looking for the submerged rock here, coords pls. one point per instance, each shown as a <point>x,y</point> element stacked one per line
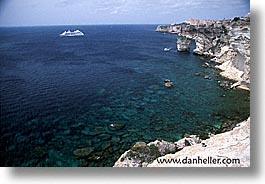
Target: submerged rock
<point>95,158</point>
<point>83,152</point>
<point>86,131</point>
<point>87,161</point>
<point>110,150</point>
<point>39,152</point>
<point>101,91</point>
<point>104,137</point>
<point>106,145</point>
<point>66,132</point>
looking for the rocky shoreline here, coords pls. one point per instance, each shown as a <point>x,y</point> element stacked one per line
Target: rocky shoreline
<point>227,44</point>
<point>234,144</point>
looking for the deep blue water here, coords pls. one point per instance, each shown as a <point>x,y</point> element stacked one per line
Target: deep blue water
<point>59,94</point>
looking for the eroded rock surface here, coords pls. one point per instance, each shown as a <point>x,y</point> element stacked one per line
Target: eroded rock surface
<point>142,154</point>
<point>183,44</point>
<point>226,42</point>
<point>234,144</point>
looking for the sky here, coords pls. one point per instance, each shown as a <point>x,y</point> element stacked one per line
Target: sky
<point>85,12</point>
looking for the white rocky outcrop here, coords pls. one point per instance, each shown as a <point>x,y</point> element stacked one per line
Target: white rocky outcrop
<point>141,154</point>
<point>233,147</point>
<point>230,145</point>
<point>183,43</point>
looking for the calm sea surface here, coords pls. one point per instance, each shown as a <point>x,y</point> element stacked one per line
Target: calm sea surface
<point>59,94</point>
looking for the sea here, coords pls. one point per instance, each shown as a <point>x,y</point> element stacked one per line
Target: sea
<point>103,91</point>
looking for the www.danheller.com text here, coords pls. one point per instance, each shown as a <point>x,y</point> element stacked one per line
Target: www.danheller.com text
<point>198,160</point>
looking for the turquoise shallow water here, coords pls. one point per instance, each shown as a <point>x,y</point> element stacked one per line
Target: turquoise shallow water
<point>62,94</point>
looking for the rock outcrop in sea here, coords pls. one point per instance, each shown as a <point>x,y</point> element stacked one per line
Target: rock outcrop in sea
<point>226,42</point>
<point>183,44</point>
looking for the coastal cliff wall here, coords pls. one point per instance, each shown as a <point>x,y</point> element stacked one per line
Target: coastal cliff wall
<point>226,42</point>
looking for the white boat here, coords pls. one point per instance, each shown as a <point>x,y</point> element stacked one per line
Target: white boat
<point>167,49</point>
<point>72,33</point>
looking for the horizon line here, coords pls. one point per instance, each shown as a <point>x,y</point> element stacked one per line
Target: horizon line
<point>107,24</point>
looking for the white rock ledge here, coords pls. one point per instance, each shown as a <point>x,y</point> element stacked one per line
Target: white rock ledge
<point>234,144</point>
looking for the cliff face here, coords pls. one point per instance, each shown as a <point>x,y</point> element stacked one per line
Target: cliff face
<point>235,58</point>
<point>226,42</point>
